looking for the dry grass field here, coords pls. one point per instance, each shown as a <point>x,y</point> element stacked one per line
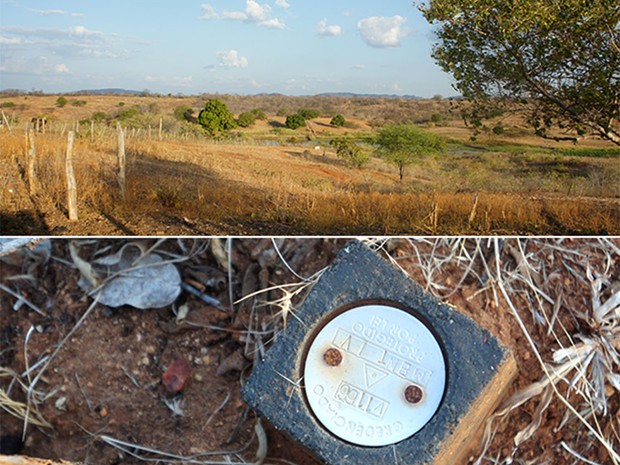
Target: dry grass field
<point>267,179</point>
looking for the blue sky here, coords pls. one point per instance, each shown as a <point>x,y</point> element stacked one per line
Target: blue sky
<point>226,46</point>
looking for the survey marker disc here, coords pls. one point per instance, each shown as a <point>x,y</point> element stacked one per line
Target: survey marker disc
<point>374,375</point>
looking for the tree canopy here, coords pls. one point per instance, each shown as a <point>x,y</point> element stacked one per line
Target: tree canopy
<point>559,60</point>
<point>403,145</point>
<point>295,121</point>
<point>216,117</point>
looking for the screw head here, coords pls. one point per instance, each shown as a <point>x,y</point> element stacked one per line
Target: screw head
<point>333,357</point>
<point>413,394</point>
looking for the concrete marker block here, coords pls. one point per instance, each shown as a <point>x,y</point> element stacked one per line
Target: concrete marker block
<point>479,368</point>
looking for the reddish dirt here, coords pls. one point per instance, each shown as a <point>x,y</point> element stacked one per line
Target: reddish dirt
<point>109,373</point>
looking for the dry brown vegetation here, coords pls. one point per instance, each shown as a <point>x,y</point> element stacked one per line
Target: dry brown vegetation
<point>270,180</point>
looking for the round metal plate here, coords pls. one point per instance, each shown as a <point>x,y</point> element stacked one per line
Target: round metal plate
<point>374,375</point>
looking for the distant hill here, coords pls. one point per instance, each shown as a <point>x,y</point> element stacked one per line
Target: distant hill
<point>112,91</point>
<point>119,91</point>
<point>354,95</point>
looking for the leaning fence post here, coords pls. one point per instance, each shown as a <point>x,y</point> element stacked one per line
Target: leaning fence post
<point>161,127</point>
<point>121,158</point>
<point>32,156</point>
<point>71,184</point>
<point>6,121</point>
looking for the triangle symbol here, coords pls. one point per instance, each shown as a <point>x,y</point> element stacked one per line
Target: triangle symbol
<point>373,375</point>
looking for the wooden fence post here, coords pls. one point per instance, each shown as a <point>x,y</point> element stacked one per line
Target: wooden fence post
<point>92,131</point>
<point>71,184</point>
<point>32,158</point>
<point>6,121</point>
<point>121,158</point>
<point>161,127</point>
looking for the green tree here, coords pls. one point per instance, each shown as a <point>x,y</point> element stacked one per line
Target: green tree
<point>61,101</point>
<point>246,119</point>
<point>216,118</point>
<point>338,121</point>
<point>558,61</point>
<point>403,145</point>
<point>295,121</point>
<point>350,152</point>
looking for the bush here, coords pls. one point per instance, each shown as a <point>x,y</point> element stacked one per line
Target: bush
<point>295,121</point>
<point>61,101</point>
<point>78,103</point>
<point>7,105</point>
<point>259,114</point>
<point>183,113</point>
<point>99,116</point>
<point>438,119</point>
<point>216,117</point>
<point>309,114</point>
<point>498,130</point>
<point>246,119</point>
<point>338,121</point>
<point>350,152</point>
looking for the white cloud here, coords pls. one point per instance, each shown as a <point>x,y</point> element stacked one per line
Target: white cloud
<point>231,59</point>
<point>54,13</point>
<point>283,3</point>
<point>61,68</point>
<point>12,41</point>
<point>208,12</point>
<point>254,13</point>
<point>24,48</point>
<point>329,31</point>
<point>382,31</point>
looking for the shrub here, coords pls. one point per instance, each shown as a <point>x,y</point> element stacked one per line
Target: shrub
<point>246,119</point>
<point>216,117</point>
<point>99,116</point>
<point>7,105</point>
<point>61,101</point>
<point>309,114</point>
<point>78,103</point>
<point>498,130</point>
<point>183,113</point>
<point>295,121</point>
<point>438,118</point>
<point>338,121</point>
<point>259,114</point>
<point>350,152</point>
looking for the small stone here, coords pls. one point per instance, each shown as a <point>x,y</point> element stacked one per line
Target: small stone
<point>61,404</point>
<point>103,412</point>
<point>198,377</point>
<point>150,349</point>
<point>145,361</point>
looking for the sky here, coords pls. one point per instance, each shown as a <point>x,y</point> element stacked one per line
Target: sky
<point>219,46</point>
